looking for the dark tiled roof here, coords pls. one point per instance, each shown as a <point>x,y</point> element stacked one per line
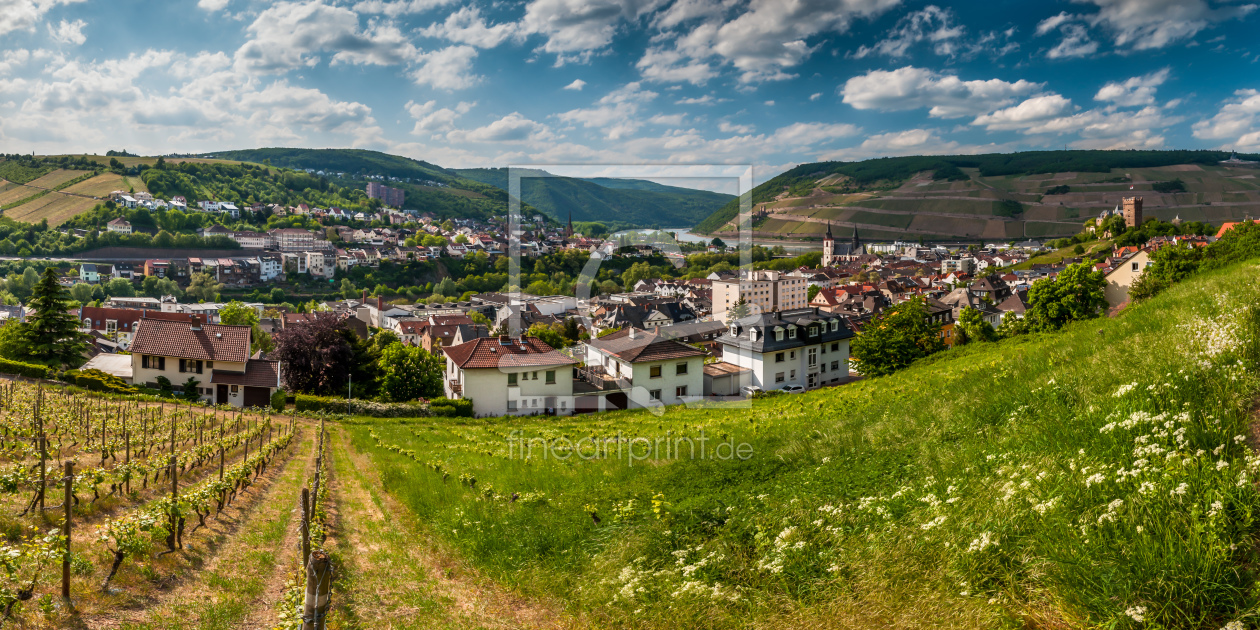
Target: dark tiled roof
<point>125,317</point>
<point>258,373</point>
<point>214,342</point>
<point>644,347</point>
<point>505,352</point>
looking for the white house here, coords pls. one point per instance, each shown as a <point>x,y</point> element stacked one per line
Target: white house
<point>119,225</point>
<point>644,367</point>
<point>803,346</point>
<point>509,376</point>
<point>216,357</point>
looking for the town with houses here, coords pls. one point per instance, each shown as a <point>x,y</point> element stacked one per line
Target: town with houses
<point>661,341</point>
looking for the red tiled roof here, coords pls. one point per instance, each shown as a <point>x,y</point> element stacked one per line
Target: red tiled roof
<point>505,352</point>
<point>214,342</point>
<point>125,317</point>
<point>1227,226</point>
<point>258,373</point>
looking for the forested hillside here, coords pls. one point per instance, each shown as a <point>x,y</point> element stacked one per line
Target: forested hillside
<point>611,201</point>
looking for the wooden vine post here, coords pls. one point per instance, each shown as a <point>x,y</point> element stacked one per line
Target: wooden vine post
<point>318,591</point>
<point>306,526</point>
<point>174,485</point>
<point>65,531</point>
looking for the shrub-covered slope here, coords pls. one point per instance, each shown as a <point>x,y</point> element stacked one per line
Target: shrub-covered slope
<point>1097,477</point>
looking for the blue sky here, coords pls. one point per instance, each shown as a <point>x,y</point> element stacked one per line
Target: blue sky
<point>773,83</point>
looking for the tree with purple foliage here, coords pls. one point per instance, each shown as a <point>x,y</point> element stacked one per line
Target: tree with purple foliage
<point>316,356</point>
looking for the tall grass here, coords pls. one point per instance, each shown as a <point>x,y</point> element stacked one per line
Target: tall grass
<point>1101,476</point>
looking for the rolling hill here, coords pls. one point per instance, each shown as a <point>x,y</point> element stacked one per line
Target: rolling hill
<point>994,197</point>
<point>616,201</point>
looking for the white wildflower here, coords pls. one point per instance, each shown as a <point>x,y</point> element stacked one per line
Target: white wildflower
<point>1124,389</point>
<point>1137,613</point>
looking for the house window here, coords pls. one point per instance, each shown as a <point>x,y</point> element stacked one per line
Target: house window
<point>511,405</point>
<point>209,364</point>
<point>792,355</point>
<point>778,357</point>
<point>813,331</point>
<point>813,357</point>
<point>835,347</point>
<point>681,368</point>
<point>512,380</point>
<point>535,376</point>
<point>778,335</point>
<point>1135,267</point>
<point>791,333</point>
<point>654,371</point>
<point>551,377</point>
<point>778,377</point>
<point>835,365</point>
<point>234,388</point>
<point>793,376</point>
<point>835,325</point>
<point>654,394</point>
<point>680,391</point>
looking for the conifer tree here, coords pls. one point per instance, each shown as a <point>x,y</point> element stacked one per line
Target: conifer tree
<point>52,333</point>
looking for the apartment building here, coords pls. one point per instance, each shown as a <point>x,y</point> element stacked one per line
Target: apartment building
<point>764,291</point>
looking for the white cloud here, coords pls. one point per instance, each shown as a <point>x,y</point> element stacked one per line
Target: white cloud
<point>1027,114</point>
<point>431,119</point>
<point>900,141</point>
<point>804,134</point>
<point>1103,127</point>
<point>1135,91</point>
<point>396,8</point>
<point>68,32</point>
<point>447,69</point>
<point>213,5</point>
<point>579,26</point>
<point>615,114</point>
<point>672,120</point>
<point>947,96</point>
<point>769,103</point>
<point>1237,122</point>
<point>726,127</point>
<point>932,24</point>
<point>815,96</point>
<point>576,86</point>
<point>707,99</point>
<point>1075,43</point>
<point>466,26</point>
<point>672,66</point>
<point>513,128</point>
<point>1146,24</point>
<point>19,15</point>
<point>293,34</point>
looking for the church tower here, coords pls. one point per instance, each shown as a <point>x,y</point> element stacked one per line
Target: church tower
<point>829,248</point>
<point>855,248</point>
<point>569,230</point>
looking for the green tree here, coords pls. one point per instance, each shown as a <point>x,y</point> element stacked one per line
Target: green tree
<point>13,341</point>
<point>81,292</point>
<point>739,310</point>
<point>237,313</point>
<point>52,334</point>
<point>1169,265</point>
<point>548,335</point>
<point>446,287</point>
<point>1012,326</point>
<point>895,339</point>
<point>408,373</point>
<point>638,271</point>
<point>718,243</point>
<point>812,291</point>
<point>203,287</point>
<point>191,391</point>
<point>1079,249</point>
<point>478,318</point>
<point>120,287</point>
<point>1075,295</point>
<point>972,327</point>
<point>165,389</point>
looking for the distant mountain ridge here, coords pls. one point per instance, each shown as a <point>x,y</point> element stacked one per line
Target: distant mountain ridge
<point>628,201</point>
<point>615,202</point>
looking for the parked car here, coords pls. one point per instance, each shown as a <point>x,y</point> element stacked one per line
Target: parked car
<point>793,389</point>
<point>750,390</point>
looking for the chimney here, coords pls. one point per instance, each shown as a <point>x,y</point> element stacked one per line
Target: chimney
<point>631,333</point>
<point>380,303</point>
<point>364,299</point>
<point>196,323</point>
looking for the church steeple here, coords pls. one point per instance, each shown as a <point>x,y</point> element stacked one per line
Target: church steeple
<point>829,236</point>
<point>857,243</point>
<point>569,230</point>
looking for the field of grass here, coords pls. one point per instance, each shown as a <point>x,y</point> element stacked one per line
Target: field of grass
<point>55,207</point>
<point>1089,478</point>
<point>1050,258</point>
<point>99,186</point>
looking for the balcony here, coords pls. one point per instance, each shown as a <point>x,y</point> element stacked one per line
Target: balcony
<point>599,378</point>
<point>456,386</point>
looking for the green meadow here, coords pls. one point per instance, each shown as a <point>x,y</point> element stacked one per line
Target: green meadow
<point>1100,476</point>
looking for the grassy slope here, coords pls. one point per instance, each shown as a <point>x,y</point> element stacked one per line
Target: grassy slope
<point>640,203</point>
<point>1056,480</point>
<point>349,161</point>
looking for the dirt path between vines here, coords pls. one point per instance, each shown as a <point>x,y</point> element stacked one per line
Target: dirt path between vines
<point>396,576</point>
<point>233,572</point>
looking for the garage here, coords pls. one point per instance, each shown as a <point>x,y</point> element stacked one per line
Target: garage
<point>257,397</point>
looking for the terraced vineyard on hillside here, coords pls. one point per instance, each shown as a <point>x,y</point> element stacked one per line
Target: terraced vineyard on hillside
<point>1007,207</point>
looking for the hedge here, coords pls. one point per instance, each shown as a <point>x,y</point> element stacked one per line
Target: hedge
<point>24,369</point>
<point>451,408</point>
<point>98,381</point>
<point>278,400</point>
<point>332,404</point>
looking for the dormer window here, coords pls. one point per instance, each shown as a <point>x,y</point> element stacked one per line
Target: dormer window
<point>791,332</point>
<point>778,334</point>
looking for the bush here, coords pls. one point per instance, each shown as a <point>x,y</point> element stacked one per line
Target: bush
<point>23,369</point>
<point>1173,186</point>
<point>332,404</point>
<point>278,400</point>
<point>98,381</point>
<point>451,408</point>
<point>1061,189</point>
